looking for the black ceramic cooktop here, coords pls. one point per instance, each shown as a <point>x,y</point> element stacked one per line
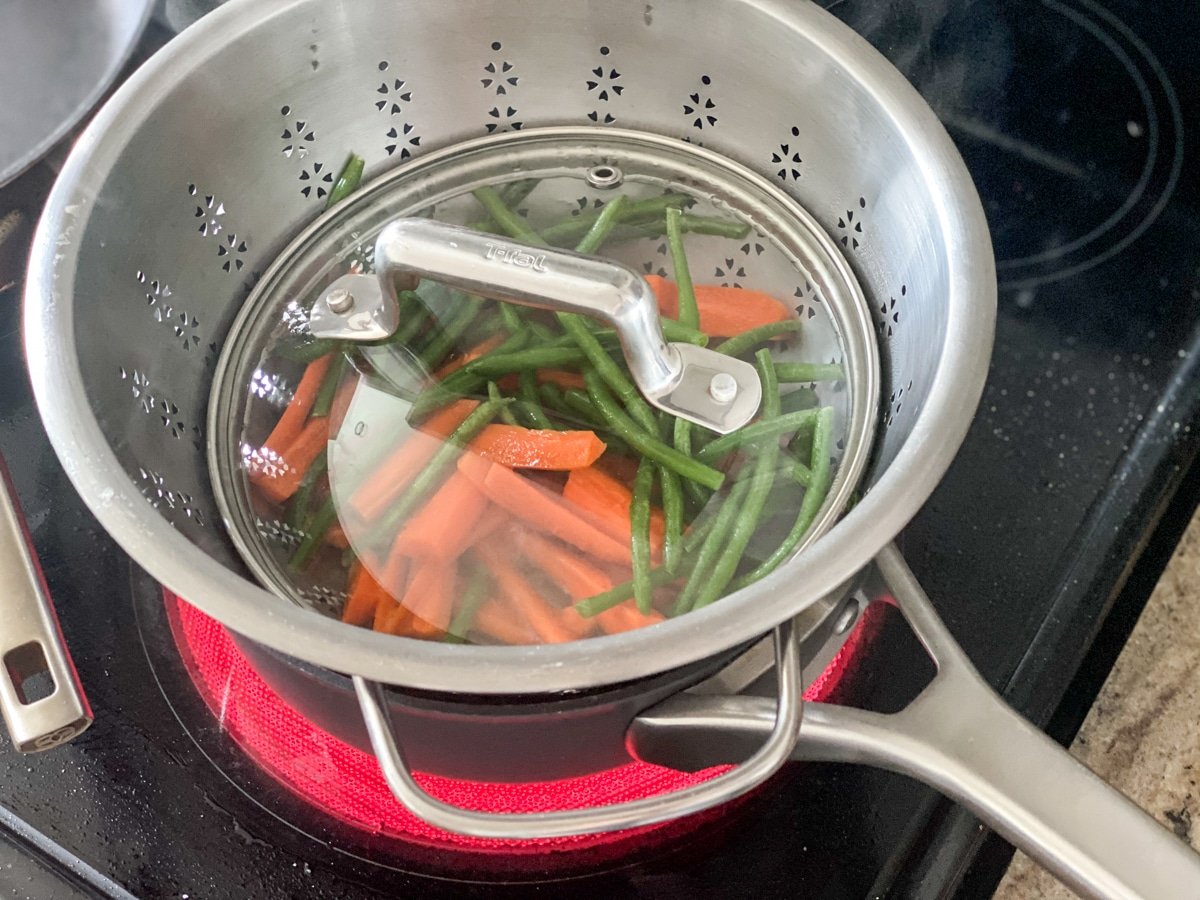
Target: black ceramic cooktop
<point>1039,548</point>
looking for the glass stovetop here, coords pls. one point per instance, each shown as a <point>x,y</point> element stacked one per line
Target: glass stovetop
<point>1071,116</point>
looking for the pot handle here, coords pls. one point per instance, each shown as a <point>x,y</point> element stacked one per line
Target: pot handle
<point>960,737</point>
<point>694,383</point>
<point>31,644</point>
<point>761,764</point>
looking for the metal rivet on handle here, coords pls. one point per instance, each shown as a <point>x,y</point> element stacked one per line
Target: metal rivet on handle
<point>723,388</point>
<point>604,177</point>
<point>340,301</point>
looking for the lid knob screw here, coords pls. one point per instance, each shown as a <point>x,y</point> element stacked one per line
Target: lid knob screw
<point>340,301</point>
<point>723,387</point>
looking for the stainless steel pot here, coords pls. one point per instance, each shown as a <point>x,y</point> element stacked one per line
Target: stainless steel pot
<point>228,139</point>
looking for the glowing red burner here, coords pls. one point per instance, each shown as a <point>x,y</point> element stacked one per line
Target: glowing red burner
<point>346,782</point>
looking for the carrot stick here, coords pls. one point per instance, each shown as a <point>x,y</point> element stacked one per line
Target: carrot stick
<point>341,404</point>
<point>395,574</point>
<point>578,625</point>
<point>496,619</point>
<point>493,519</point>
<point>294,462</point>
<point>545,620</point>
<point>532,448</point>
<point>565,380</point>
<point>606,502</point>
<point>575,575</point>
<point>484,346</point>
<point>626,617</point>
<point>724,311</point>
<point>291,423</point>
<point>445,525</point>
<point>379,490</point>
<point>427,601</point>
<point>540,508</point>
<point>336,537</point>
<point>362,599</point>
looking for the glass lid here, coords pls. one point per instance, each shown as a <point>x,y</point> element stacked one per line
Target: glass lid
<point>449,457</point>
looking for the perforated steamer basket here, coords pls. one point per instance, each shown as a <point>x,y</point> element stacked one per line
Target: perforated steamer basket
<point>215,154</point>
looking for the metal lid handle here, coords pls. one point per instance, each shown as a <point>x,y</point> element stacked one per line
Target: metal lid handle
<point>694,383</point>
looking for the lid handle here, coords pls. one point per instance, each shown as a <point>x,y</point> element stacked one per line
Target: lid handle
<point>709,388</point>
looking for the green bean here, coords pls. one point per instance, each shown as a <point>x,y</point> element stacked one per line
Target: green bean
<point>639,521</point>
<point>510,223</point>
<point>800,398</point>
<point>492,365</point>
<point>347,182</point>
<point>437,349</point>
<point>462,383</point>
<point>739,344</point>
<point>682,439</point>
<point>581,405</point>
<point>801,474</point>
<point>672,501</point>
<point>608,371</point>
<point>689,313</point>
<point>506,415</point>
<point>798,372</point>
<point>722,523</point>
<point>576,227</point>
<point>430,477</point>
<point>298,506</point>
<point>646,443</point>
<point>814,497</point>
<point>516,191</point>
<point>593,606</point>
<point>476,592</point>
<point>512,318</point>
<point>329,385</point>
<point>530,402</point>
<point>541,333</point>
<point>672,331</point>
<point>688,224</point>
<point>750,511</point>
<point>314,531</point>
<point>763,428</point>
<point>412,316</point>
<point>552,398</point>
<point>605,222</point>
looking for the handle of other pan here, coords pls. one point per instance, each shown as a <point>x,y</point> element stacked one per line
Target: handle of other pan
<point>31,646</point>
<point>960,737</point>
<point>714,390</point>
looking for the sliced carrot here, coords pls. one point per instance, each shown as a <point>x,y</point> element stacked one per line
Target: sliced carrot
<point>430,597</point>
<point>540,508</point>
<point>484,346</point>
<point>385,605</point>
<point>390,479</point>
<point>280,484</point>
<point>532,448</point>
<point>565,380</point>
<point>724,311</point>
<point>545,619</point>
<point>497,619</point>
<point>336,537</point>
<point>444,526</point>
<point>291,423</point>
<point>575,575</point>
<point>493,519</point>
<point>626,617</point>
<point>362,599</point>
<point>605,501</point>
<point>395,575</point>
<point>341,404</point>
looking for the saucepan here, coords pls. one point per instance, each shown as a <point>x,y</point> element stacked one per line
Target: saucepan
<point>189,294</point>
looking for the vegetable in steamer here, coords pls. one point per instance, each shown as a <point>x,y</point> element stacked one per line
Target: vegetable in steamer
<point>538,498</point>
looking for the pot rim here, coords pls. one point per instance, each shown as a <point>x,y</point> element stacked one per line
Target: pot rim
<point>254,612</point>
